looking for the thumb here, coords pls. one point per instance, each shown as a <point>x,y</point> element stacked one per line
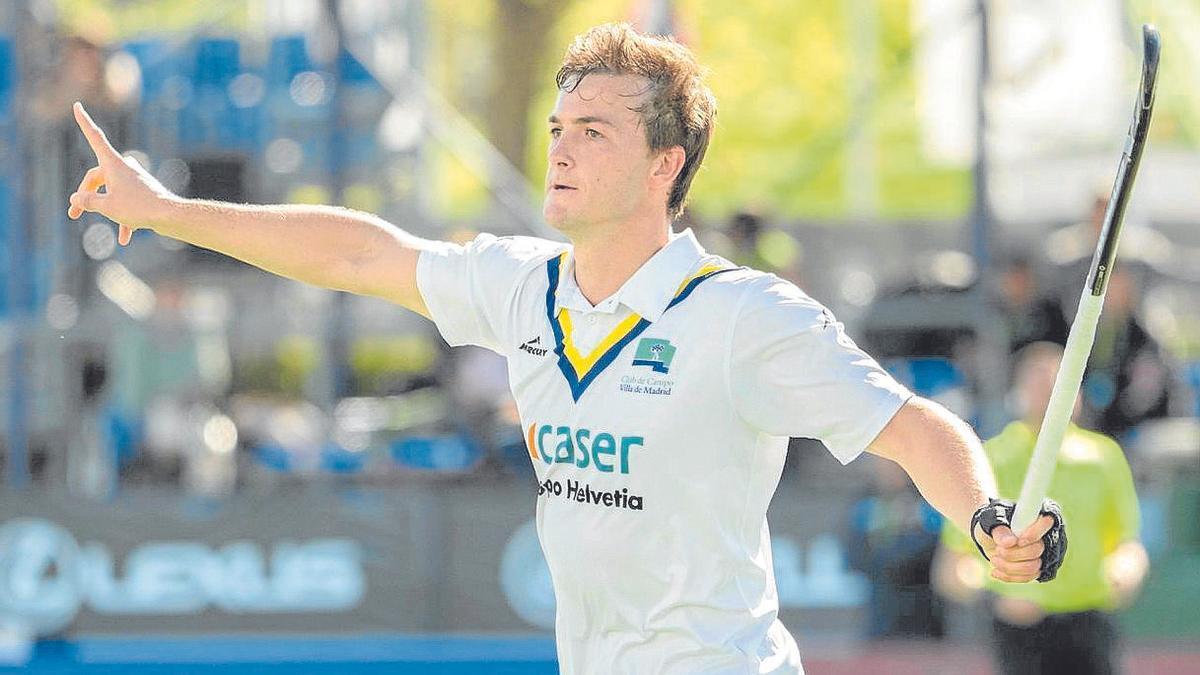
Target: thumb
<point>124,234</point>
<point>89,201</point>
<point>1003,536</point>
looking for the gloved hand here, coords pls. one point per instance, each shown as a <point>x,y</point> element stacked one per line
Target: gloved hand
<point>1037,553</point>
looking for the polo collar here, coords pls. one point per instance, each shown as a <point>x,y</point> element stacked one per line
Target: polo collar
<point>651,288</point>
<point>673,268</point>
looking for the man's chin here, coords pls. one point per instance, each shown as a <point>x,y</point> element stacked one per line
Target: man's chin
<point>558,218</point>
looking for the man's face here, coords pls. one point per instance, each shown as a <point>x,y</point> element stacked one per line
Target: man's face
<point>599,160</point>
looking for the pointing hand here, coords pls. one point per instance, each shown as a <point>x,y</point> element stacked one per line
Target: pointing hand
<point>132,197</point>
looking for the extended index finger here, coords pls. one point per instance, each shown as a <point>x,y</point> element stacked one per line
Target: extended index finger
<point>94,134</point>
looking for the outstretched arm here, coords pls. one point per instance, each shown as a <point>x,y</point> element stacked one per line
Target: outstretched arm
<point>326,246</point>
<point>946,462</point>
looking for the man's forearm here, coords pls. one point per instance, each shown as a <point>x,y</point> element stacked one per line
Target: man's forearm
<point>942,455</point>
<point>319,245</point>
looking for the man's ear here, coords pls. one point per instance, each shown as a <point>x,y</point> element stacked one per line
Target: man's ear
<point>669,164</point>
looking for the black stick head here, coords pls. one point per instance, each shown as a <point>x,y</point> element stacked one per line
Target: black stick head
<point>1151,47</point>
<point>1139,129</point>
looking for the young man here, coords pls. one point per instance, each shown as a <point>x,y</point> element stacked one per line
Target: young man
<point>657,384</point>
<point>1064,627</point>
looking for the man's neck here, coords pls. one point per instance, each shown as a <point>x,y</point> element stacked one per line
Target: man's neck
<point>604,263</point>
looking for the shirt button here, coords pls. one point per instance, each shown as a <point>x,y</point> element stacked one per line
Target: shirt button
<point>592,319</point>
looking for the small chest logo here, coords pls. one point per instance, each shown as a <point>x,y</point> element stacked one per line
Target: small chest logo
<point>534,347</point>
<point>655,353</point>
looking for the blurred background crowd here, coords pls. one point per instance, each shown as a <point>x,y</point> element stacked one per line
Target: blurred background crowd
<point>329,458</point>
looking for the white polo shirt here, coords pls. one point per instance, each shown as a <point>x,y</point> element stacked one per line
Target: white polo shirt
<point>658,424</point>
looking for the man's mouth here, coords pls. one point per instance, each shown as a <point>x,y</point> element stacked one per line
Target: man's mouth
<point>561,186</point>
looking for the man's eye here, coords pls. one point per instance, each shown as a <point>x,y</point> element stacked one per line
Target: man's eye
<point>592,133</point>
<point>555,132</point>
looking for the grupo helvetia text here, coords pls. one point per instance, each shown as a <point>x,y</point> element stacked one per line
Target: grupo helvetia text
<point>582,492</point>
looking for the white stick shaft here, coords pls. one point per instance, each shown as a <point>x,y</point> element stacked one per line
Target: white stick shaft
<point>1058,412</point>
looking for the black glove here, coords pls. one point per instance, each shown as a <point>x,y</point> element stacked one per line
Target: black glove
<point>1000,512</point>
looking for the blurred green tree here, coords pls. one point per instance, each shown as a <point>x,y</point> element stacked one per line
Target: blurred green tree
<point>794,93</point>
<point>521,38</point>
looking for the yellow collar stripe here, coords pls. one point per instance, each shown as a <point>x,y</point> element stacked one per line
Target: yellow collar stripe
<point>707,269</point>
<point>582,363</point>
<point>579,369</point>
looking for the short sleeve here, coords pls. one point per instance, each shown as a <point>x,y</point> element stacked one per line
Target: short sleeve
<point>468,288</point>
<point>793,371</point>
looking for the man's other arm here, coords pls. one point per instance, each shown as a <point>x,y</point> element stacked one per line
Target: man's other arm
<point>325,246</point>
<point>946,462</point>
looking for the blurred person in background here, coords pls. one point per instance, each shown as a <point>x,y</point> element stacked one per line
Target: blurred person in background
<point>743,234</point>
<point>1129,378</point>
<point>1069,249</point>
<point>99,443</point>
<point>637,462</point>
<point>1033,316</point>
<point>80,74</point>
<point>750,241</point>
<point>1065,626</point>
<point>893,536</point>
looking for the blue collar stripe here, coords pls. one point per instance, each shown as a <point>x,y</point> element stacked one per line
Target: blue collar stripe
<point>552,271</point>
<point>687,290</point>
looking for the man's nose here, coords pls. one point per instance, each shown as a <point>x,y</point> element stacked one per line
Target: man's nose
<point>560,154</point>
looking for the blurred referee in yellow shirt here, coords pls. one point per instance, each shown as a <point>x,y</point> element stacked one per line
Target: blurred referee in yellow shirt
<point>1065,625</point>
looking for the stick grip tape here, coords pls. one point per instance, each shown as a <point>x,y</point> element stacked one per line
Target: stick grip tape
<point>1058,412</point>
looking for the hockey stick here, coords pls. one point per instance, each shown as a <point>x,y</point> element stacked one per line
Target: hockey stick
<point>1083,329</point>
